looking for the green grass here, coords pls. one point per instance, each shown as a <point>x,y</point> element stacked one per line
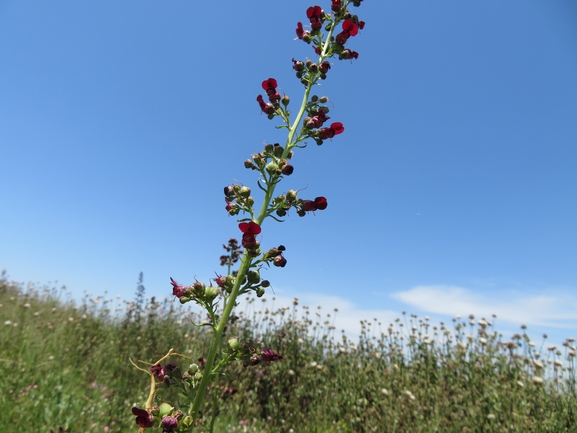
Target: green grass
<point>66,365</point>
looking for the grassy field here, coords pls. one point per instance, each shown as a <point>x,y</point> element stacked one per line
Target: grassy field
<point>66,367</point>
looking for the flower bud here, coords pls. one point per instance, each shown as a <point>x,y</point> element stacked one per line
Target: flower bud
<point>268,148</point>
<point>278,150</point>
<point>272,167</point>
<point>287,169</point>
<point>249,164</point>
<point>192,368</point>
<point>253,276</point>
<point>323,100</point>
<point>164,409</point>
<point>210,293</point>
<point>279,261</point>
<point>228,191</point>
<point>259,292</point>
<point>245,191</point>
<point>291,195</point>
<point>281,212</point>
<point>198,375</point>
<point>234,344</point>
<point>265,283</point>
<point>285,100</point>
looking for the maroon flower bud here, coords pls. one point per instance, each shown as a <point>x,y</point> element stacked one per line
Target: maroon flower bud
<point>249,164</point>
<point>336,6</point>
<point>177,290</point>
<point>325,66</point>
<point>228,191</point>
<point>279,262</point>
<point>298,65</point>
<point>169,423</point>
<point>287,169</point>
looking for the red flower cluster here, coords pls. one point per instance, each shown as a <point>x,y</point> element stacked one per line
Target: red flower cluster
<point>335,129</point>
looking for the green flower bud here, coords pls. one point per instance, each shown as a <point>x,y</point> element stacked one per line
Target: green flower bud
<point>272,167</point>
<point>245,191</point>
<point>323,100</point>
<point>291,195</point>
<point>192,368</point>
<point>253,276</point>
<point>234,344</point>
<point>164,409</point>
<point>198,375</point>
<point>285,100</point>
<point>268,148</point>
<point>210,293</point>
<point>259,292</point>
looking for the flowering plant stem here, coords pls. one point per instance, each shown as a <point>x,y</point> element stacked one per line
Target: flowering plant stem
<point>273,165</point>
<point>246,260</point>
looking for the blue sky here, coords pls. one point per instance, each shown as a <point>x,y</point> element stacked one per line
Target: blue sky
<point>452,191</point>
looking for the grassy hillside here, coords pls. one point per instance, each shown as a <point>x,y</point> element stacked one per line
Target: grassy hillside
<point>65,367</point>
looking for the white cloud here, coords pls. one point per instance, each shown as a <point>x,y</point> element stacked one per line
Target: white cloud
<point>347,318</point>
<point>555,310</point>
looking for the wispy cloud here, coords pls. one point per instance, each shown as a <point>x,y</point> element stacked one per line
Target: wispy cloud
<point>554,310</point>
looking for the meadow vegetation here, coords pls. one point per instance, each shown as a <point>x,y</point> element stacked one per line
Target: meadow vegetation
<point>66,367</point>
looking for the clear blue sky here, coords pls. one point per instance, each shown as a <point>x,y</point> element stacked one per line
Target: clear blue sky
<point>452,191</point>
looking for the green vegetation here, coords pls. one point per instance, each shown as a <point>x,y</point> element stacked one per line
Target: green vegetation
<point>66,367</point>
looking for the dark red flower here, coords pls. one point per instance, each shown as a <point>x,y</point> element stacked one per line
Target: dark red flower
<point>350,27</point>
<point>301,33</point>
<point>336,6</point>
<point>335,129</point>
<point>321,203</point>
<point>269,355</point>
<point>266,108</point>
<point>316,15</point>
<point>144,419</point>
<point>250,228</point>
<point>269,84</point>
<point>314,12</point>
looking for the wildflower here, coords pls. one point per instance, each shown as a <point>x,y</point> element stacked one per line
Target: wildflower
<point>177,290</point>
<point>250,228</point>
<point>269,355</point>
<point>315,14</point>
<point>302,33</point>
<point>537,380</point>
<point>266,108</point>
<point>350,28</point>
<point>143,418</point>
<point>336,5</point>
<point>335,129</point>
